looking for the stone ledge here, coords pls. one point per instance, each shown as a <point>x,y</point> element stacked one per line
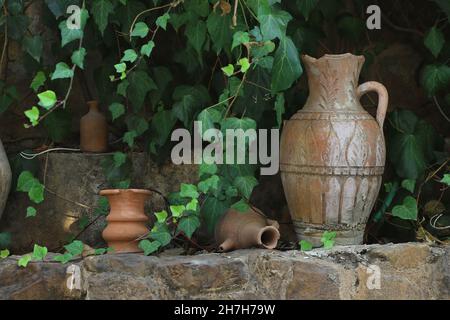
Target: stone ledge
<point>407,271</point>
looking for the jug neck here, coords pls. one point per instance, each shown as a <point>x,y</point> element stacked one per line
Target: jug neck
<point>332,81</point>
<point>93,105</point>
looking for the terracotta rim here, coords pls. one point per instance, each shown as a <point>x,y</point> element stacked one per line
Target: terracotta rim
<point>107,192</point>
<point>333,56</point>
<point>268,237</point>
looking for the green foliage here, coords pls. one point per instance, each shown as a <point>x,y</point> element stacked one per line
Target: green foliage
<point>328,239</point>
<point>4,254</point>
<point>446,179</point>
<point>411,144</point>
<point>409,184</point>
<point>434,41</point>
<point>28,183</point>
<point>407,210</point>
<point>305,245</point>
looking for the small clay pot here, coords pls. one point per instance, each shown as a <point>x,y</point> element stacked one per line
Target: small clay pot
<point>126,220</point>
<point>241,230</point>
<point>93,130</point>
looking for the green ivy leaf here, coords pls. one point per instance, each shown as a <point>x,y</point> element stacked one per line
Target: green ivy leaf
<point>33,115</point>
<point>38,81</point>
<point>4,254</point>
<point>189,191</point>
<point>140,30</point>
<point>161,21</point>
<point>69,35</point>
<point>75,248</point>
<point>39,253</point>
<point>407,210</point>
<point>147,49</point>
<point>140,85</point>
<point>273,22</point>
<point>62,71</point>
<point>211,210</point>
<point>228,70</point>
<point>409,184</point>
<point>306,6</point>
<point>212,183</point>
<point>117,110</point>
<point>240,37</point>
<point>286,66</point>
<point>435,77</point>
<point>241,206</point>
<point>129,137</point>
<point>24,260</point>
<point>33,46</point>
<point>188,225</point>
<point>411,144</point>
<point>119,158</point>
<point>78,57</point>
<point>58,125</point>
<point>120,67</point>
<point>161,233</point>
<point>305,245</point>
<point>149,247</point>
<point>101,9</point>
<point>192,205</point>
<point>63,258</point>
<point>161,216</point>
<point>25,181</point>
<point>129,55</point>
<point>196,35</point>
<point>31,212</point>
<point>177,210</point>
<point>244,63</point>
<point>205,168</point>
<point>328,239</point>
<point>219,31</point>
<point>245,185</point>
<point>36,193</point>
<point>434,41</point>
<point>47,99</point>
<point>446,179</point>
<point>279,108</point>
<point>209,117</point>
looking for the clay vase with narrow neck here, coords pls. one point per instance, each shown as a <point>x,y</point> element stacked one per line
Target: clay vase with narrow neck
<point>5,178</point>
<point>93,130</point>
<point>332,152</point>
<point>241,230</point>
<point>126,220</point>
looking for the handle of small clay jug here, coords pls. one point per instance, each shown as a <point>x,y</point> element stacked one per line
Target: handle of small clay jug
<point>383,98</point>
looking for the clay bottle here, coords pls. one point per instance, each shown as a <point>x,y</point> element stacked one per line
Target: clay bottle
<point>241,230</point>
<point>93,130</point>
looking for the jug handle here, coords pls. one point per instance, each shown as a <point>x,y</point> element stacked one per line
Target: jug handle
<point>383,98</point>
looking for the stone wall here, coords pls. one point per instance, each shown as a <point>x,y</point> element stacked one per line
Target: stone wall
<point>73,181</point>
<point>407,271</point>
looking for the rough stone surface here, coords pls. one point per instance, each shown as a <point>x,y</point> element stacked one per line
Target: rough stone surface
<point>73,181</point>
<point>407,271</point>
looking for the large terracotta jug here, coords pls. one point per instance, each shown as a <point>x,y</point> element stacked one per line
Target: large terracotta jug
<point>5,178</point>
<point>332,152</point>
<point>93,130</point>
<point>126,220</point>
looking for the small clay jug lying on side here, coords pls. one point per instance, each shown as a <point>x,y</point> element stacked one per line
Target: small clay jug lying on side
<point>241,230</point>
